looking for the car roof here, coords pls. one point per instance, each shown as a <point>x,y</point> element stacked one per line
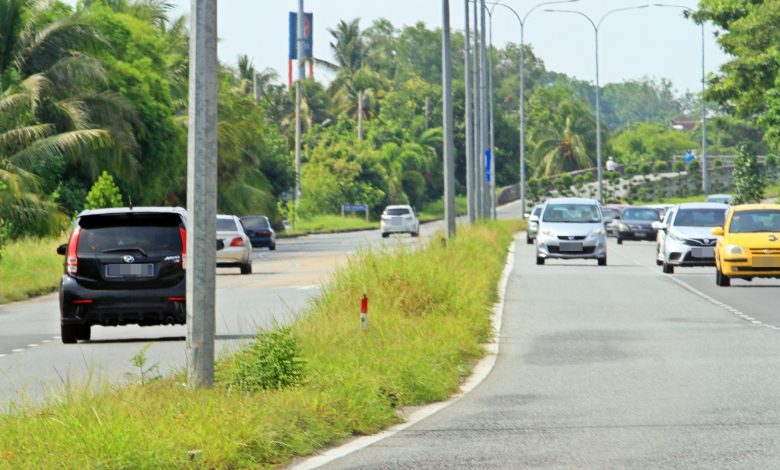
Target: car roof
<point>752,207</point>
<point>571,200</point>
<point>135,210</point>
<point>399,206</point>
<point>719,195</point>
<point>703,205</point>
<point>225,216</point>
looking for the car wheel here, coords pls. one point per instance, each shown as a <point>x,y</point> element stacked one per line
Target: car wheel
<point>620,241</point>
<point>85,332</point>
<point>529,240</point>
<point>721,279</point>
<point>667,268</point>
<point>658,262</point>
<point>416,234</point>
<point>246,268</point>
<point>69,333</point>
<point>272,247</point>
<point>539,260</point>
<point>385,235</point>
<point>603,261</point>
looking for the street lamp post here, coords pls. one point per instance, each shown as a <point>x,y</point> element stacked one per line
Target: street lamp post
<point>596,27</point>
<point>705,179</point>
<point>522,22</point>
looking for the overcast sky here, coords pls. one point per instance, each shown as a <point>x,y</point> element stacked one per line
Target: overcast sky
<point>656,42</point>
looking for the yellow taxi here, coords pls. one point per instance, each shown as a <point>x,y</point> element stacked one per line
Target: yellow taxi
<point>748,244</point>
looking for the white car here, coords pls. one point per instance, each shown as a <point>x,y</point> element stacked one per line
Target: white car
<point>533,224</point>
<point>687,235</point>
<point>571,228</point>
<point>399,219</point>
<point>237,249</point>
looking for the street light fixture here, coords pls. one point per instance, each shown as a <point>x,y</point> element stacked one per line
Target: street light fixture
<point>596,27</point>
<point>705,180</point>
<point>522,21</point>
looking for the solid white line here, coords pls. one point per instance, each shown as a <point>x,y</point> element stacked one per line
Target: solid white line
<point>479,374</point>
<point>32,345</point>
<point>17,350</point>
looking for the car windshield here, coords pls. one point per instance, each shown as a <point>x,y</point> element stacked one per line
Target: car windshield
<point>397,211</point>
<point>755,221</point>
<point>641,214</point>
<point>226,225</point>
<point>609,213</point>
<point>700,218</point>
<point>572,213</point>
<point>255,223</point>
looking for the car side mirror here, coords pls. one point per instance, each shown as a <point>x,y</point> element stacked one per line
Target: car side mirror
<point>717,231</point>
<point>62,249</point>
<point>533,218</point>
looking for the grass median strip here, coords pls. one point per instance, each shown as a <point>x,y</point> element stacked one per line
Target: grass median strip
<point>29,267</point>
<point>297,388</point>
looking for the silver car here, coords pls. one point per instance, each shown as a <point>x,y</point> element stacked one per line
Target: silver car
<point>688,238</point>
<point>533,224</point>
<point>399,219</point>
<point>571,228</point>
<point>236,248</point>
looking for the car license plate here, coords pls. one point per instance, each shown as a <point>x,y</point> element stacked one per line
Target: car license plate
<point>708,252</point>
<point>571,246</point>
<point>130,270</point>
<point>766,261</point>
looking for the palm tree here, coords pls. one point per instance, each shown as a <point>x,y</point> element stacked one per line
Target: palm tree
<point>559,150</point>
<point>51,104</point>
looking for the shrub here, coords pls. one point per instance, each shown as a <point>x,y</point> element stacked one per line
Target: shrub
<point>104,193</point>
<point>748,179</point>
<point>273,361</point>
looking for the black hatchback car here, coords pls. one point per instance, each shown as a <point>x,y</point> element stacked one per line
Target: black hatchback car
<point>123,266</point>
<point>258,229</point>
<point>636,223</point>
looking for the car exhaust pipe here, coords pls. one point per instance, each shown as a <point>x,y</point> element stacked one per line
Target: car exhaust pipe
<point>169,320</point>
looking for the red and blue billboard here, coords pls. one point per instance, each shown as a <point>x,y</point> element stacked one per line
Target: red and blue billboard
<point>308,43</point>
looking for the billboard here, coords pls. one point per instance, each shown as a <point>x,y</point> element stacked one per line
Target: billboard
<point>308,48</point>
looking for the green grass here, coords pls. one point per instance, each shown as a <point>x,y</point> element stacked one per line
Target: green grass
<point>330,224</point>
<point>435,210</point>
<point>429,313</point>
<point>772,191</point>
<point>29,267</point>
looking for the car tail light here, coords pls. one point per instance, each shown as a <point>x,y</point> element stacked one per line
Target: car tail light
<point>177,299</point>
<point>82,301</point>
<point>72,260</point>
<point>238,241</point>
<point>264,232</point>
<point>183,234</point>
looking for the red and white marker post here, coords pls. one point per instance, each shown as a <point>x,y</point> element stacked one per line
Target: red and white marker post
<point>364,312</point>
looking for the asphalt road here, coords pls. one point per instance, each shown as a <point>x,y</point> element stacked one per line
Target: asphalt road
<point>34,364</point>
<point>613,367</point>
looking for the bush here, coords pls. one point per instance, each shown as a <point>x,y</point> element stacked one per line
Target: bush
<point>748,179</point>
<point>644,169</point>
<point>273,361</point>
<point>659,167</point>
<point>104,193</point>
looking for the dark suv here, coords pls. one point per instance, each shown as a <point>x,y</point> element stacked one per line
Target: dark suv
<point>123,266</point>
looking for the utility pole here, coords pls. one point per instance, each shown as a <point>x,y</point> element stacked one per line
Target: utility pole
<point>200,258</point>
<point>256,88</point>
<point>469,111</point>
<point>478,154</point>
<point>301,42</point>
<point>484,141</point>
<point>449,144</point>
<point>492,185</point>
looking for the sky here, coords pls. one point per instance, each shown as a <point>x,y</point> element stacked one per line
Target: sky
<point>654,42</point>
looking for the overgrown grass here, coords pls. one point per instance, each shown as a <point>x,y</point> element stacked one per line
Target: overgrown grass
<point>330,224</point>
<point>429,313</point>
<point>772,191</point>
<point>29,267</point>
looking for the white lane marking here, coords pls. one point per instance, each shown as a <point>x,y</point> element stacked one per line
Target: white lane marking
<point>3,355</point>
<point>704,296</point>
<point>481,371</point>
<point>17,350</point>
<point>309,287</point>
<point>33,345</point>
<point>46,341</point>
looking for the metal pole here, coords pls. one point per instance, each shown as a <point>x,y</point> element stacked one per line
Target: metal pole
<point>255,89</point>
<point>469,111</point>
<point>598,121</point>
<point>522,119</point>
<point>201,193</point>
<point>492,186</point>
<point>484,141</point>
<point>449,143</point>
<point>478,166</point>
<point>298,131</point>
<point>705,172</point>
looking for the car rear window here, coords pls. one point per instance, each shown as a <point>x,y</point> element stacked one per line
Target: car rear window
<point>255,223</point>
<point>397,211</point>
<point>145,232</point>
<point>226,225</point>
<point>537,211</point>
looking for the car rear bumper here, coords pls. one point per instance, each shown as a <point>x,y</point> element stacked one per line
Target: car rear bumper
<point>82,306</point>
<point>404,228</point>
<point>233,256</point>
<point>260,242</point>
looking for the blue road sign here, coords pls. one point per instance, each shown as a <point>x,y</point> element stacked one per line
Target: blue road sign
<point>354,207</point>
<point>487,166</point>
